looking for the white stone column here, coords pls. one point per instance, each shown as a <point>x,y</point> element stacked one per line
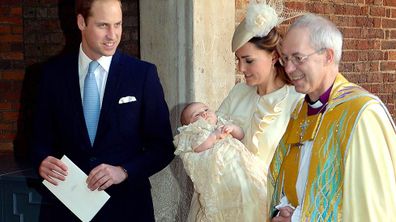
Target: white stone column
<point>190,42</point>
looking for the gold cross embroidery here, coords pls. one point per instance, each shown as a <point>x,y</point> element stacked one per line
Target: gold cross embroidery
<point>303,129</point>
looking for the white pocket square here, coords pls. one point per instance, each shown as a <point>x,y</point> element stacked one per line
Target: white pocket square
<point>126,99</point>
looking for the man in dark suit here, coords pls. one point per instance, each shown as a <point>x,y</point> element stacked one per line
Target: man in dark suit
<point>131,138</point>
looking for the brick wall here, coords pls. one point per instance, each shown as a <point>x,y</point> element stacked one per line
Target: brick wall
<point>369,29</point>
<point>30,33</point>
<point>11,69</point>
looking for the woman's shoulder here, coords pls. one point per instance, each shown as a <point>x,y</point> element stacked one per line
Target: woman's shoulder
<point>242,89</point>
<point>293,92</point>
<point>293,95</point>
<point>241,86</point>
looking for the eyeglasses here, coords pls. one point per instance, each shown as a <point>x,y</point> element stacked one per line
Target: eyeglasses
<point>297,59</point>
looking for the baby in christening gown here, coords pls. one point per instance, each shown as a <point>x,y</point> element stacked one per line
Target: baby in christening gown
<point>229,179</point>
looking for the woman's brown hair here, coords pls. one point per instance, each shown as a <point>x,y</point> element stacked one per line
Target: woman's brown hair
<point>270,43</point>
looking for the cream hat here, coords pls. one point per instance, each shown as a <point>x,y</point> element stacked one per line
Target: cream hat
<point>260,19</point>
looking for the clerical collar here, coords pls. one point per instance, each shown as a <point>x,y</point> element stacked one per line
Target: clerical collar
<point>318,106</point>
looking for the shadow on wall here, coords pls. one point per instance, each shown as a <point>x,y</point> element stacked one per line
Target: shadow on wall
<point>72,39</point>
<point>172,189</point>
<point>183,181</point>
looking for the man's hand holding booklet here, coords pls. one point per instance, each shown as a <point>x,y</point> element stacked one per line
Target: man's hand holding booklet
<point>75,194</point>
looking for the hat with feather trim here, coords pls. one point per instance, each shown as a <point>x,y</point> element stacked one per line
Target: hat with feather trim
<point>261,17</point>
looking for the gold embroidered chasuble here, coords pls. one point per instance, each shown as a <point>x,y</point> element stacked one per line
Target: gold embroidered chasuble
<point>331,134</point>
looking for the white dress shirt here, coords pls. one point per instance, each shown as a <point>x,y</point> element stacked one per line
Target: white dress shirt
<point>101,72</point>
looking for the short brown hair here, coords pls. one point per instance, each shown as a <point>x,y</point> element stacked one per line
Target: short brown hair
<point>83,7</point>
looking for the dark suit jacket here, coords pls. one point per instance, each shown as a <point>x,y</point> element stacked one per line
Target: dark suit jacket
<point>135,135</point>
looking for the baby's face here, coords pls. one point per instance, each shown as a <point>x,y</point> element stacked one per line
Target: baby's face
<point>200,110</point>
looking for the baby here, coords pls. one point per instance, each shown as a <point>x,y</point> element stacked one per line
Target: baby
<point>195,111</point>
<point>228,179</point>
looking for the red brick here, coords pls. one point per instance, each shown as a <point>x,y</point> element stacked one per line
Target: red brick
<point>350,10</point>
<point>373,33</point>
<point>391,77</point>
<point>376,88</point>
<point>6,147</point>
<point>4,10</point>
<point>10,38</point>
<point>360,67</point>
<point>5,106</point>
<point>377,11</point>
<point>49,1</point>
<point>7,135</point>
<point>11,20</point>
<point>392,13</point>
<point>389,2</point>
<point>13,75</point>
<point>5,29</point>
<point>10,2</point>
<point>366,86</point>
<point>352,21</point>
<point>388,90</point>
<point>362,78</point>
<point>12,95</point>
<point>374,2</point>
<point>318,8</point>
<point>360,44</point>
<point>16,106</point>
<point>6,126</point>
<point>375,55</point>
<point>363,55</point>
<point>346,67</point>
<point>348,56</point>
<point>387,13</point>
<point>388,45</point>
<point>17,30</point>
<point>296,5</point>
<point>11,55</point>
<point>375,78</point>
<point>388,66</point>
<point>16,11</point>
<point>389,23</point>
<point>392,34</point>
<point>349,32</point>
<point>365,44</point>
<point>368,22</point>
<point>10,116</point>
<point>391,55</point>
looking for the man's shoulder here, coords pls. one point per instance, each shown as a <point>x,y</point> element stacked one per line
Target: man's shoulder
<point>352,93</point>
<point>61,59</point>
<point>131,60</point>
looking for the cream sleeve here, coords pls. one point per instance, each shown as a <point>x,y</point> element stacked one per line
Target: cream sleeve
<point>370,169</point>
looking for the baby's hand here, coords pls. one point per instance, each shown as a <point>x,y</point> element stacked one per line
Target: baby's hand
<point>227,129</point>
<point>220,132</point>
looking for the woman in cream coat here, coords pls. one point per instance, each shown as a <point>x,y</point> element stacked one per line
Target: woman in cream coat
<point>262,104</point>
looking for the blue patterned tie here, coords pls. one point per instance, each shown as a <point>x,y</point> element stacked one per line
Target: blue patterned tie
<point>91,101</point>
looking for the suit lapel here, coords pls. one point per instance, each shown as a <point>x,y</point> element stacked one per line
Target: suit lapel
<point>110,91</point>
<point>76,102</point>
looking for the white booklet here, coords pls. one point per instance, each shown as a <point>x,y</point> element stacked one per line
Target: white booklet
<point>75,195</point>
